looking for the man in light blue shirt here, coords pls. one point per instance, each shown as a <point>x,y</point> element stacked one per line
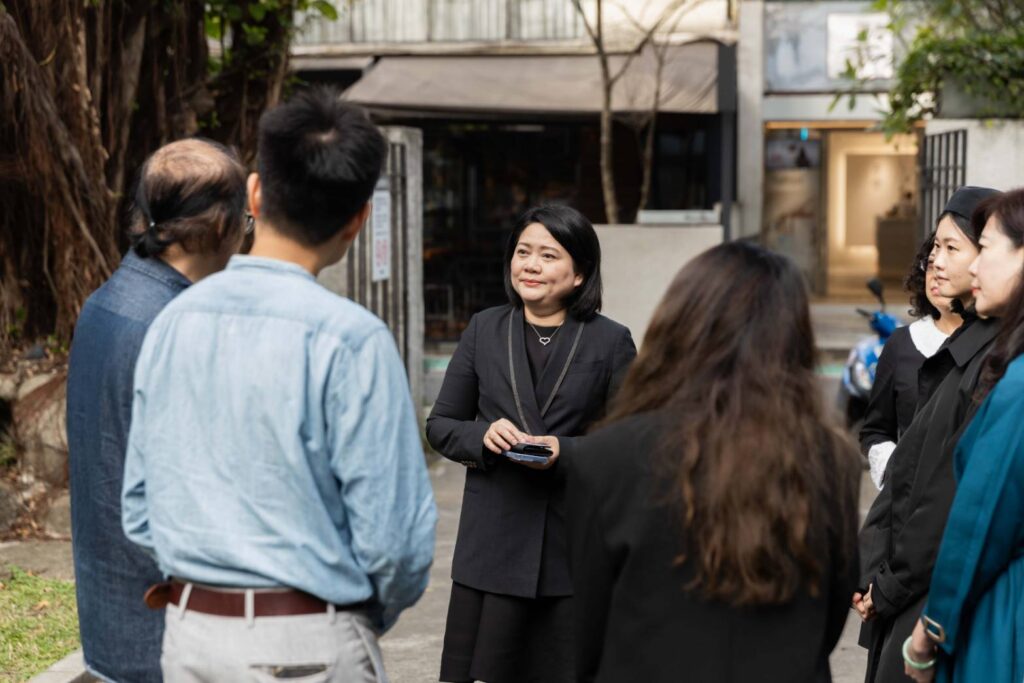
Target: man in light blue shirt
<point>274,464</point>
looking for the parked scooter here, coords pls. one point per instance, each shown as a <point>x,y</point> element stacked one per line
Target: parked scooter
<point>859,372</point>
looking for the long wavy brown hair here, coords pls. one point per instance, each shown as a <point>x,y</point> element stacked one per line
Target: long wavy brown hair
<point>766,486</point>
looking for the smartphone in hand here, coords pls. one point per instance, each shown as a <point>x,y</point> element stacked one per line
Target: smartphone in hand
<point>529,452</point>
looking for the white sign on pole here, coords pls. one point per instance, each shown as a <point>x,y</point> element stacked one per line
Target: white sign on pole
<point>381,231</point>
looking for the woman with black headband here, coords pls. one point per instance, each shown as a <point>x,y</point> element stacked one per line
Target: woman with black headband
<point>894,394</point>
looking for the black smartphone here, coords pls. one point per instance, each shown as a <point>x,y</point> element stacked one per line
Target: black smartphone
<point>529,452</point>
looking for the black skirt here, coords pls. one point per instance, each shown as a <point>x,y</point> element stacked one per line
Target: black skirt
<point>504,639</point>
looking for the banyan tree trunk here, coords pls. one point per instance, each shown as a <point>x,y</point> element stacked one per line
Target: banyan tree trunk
<point>88,89</point>
<point>57,242</point>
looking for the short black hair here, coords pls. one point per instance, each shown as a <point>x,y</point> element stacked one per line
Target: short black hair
<point>319,160</point>
<point>574,232</point>
<point>189,192</point>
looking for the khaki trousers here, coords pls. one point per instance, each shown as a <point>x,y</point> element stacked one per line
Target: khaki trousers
<point>330,647</point>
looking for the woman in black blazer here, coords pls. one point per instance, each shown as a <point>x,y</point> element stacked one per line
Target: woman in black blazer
<point>713,518</point>
<point>540,367</point>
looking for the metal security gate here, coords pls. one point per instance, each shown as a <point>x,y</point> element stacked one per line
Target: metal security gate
<point>943,170</point>
<point>383,269</point>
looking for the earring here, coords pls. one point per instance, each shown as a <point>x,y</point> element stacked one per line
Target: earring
<point>250,223</point>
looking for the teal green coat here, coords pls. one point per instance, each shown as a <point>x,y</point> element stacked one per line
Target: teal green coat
<point>977,588</point>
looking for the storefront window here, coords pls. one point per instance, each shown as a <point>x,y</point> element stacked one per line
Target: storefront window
<point>478,178</point>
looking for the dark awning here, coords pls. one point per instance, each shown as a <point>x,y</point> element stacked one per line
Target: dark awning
<point>569,84</point>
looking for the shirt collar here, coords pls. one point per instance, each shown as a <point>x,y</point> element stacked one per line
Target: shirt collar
<point>157,269</point>
<point>244,262</point>
<point>973,337</point>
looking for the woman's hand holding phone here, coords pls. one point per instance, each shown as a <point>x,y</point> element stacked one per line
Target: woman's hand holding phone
<point>503,435</point>
<point>549,441</point>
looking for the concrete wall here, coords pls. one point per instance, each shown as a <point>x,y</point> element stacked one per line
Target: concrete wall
<point>995,150</point>
<point>750,119</point>
<point>806,45</point>
<point>639,262</point>
<point>818,107</point>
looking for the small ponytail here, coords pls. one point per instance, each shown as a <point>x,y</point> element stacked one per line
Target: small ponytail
<point>187,195</point>
<point>147,243</point>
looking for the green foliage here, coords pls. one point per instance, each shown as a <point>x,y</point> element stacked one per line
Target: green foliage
<point>251,16</point>
<point>325,8</point>
<point>251,19</point>
<point>8,450</point>
<point>975,46</point>
<point>989,68</point>
<point>254,38</point>
<point>56,346</point>
<point>17,326</point>
<point>38,624</point>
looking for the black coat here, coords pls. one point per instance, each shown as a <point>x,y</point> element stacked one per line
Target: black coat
<point>901,534</point>
<point>894,393</point>
<point>635,621</point>
<point>511,536</point>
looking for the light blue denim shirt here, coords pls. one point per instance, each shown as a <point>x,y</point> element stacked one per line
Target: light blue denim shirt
<point>274,443</point>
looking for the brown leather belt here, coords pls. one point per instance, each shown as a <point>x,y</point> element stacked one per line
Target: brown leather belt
<point>221,603</point>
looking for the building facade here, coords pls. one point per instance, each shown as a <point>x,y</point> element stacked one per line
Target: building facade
<point>816,179</point>
<point>508,95</point>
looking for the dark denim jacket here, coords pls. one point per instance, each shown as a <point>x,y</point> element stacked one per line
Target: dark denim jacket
<point>121,637</point>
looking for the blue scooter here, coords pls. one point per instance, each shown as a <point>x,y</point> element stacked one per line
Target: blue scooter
<point>859,372</point>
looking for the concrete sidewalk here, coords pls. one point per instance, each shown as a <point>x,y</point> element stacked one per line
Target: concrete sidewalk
<point>412,649</point>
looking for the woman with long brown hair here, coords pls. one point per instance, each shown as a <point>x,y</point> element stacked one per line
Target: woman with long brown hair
<point>713,516</point>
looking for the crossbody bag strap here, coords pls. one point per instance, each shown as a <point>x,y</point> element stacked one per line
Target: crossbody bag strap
<point>565,370</point>
<point>512,376</point>
<point>558,384</point>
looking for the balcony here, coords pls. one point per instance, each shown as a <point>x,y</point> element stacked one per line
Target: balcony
<point>362,23</point>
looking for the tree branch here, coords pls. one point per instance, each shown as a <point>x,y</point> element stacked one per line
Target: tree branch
<point>648,35</point>
<point>595,38</point>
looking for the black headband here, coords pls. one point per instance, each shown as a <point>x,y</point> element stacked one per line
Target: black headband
<point>965,200</point>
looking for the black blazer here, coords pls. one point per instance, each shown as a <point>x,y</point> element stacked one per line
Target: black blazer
<point>634,621</point>
<point>511,536</point>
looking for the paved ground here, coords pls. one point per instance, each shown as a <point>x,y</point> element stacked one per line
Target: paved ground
<point>412,649</point>
<point>51,559</point>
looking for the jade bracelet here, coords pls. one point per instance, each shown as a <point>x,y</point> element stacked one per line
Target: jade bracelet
<point>912,663</point>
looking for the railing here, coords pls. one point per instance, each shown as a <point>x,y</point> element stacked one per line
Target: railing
<point>428,21</point>
<point>943,170</point>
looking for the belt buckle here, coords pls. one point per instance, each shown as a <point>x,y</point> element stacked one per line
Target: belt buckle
<point>158,596</point>
<point>933,629</point>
